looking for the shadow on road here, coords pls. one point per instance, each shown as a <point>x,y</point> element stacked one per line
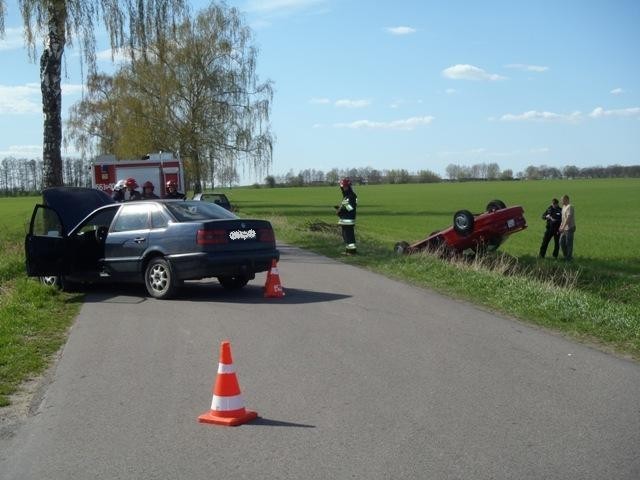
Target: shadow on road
<point>206,291</point>
<point>277,423</point>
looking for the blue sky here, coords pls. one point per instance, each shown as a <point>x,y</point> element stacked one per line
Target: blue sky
<point>414,84</point>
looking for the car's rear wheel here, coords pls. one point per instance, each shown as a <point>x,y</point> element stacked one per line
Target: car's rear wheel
<point>400,248</point>
<point>160,279</point>
<point>234,282</point>
<point>494,205</point>
<point>463,222</point>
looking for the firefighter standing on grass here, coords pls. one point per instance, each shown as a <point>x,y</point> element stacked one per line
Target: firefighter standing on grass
<point>347,213</point>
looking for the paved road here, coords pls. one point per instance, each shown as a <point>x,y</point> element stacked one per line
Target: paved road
<point>354,376</point>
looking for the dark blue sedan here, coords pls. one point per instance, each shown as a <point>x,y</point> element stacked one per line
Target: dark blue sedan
<point>80,235</point>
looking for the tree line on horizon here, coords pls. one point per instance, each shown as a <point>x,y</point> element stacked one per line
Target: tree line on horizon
<point>21,176</point>
<point>454,173</point>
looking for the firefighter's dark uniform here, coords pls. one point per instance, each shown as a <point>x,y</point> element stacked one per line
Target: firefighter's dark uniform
<point>347,213</point>
<point>175,194</point>
<point>553,216</point>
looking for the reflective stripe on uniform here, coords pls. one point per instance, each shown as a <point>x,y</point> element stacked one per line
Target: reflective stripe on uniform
<point>346,221</point>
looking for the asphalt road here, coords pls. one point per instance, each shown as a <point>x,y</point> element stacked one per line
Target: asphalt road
<point>354,376</point>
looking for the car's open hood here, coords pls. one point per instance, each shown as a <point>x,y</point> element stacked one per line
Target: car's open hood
<point>74,203</point>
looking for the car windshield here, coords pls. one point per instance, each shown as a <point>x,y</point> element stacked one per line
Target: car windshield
<point>194,211</point>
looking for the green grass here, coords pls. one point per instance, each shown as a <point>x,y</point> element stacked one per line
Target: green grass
<point>34,319</point>
<point>597,297</point>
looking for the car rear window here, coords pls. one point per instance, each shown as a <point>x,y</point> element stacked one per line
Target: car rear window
<point>196,211</point>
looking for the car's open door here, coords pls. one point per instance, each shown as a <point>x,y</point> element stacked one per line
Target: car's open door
<point>45,244</point>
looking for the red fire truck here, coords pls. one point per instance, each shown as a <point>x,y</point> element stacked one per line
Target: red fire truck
<point>157,168</point>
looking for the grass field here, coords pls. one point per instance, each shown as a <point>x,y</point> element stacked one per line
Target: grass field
<point>33,318</point>
<point>596,298</point>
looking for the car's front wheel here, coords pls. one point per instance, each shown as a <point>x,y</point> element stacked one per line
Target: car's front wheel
<point>160,279</point>
<point>400,248</point>
<point>233,282</point>
<point>463,222</point>
<point>494,205</point>
<point>60,282</point>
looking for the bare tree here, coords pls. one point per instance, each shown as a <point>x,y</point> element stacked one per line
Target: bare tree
<point>128,23</point>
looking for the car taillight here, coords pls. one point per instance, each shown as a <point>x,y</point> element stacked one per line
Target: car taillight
<point>211,237</point>
<point>266,235</point>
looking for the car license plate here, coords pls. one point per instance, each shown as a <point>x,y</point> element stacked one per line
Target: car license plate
<point>243,234</point>
<point>511,223</point>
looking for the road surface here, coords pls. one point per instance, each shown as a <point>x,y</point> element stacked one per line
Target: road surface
<point>353,375</point>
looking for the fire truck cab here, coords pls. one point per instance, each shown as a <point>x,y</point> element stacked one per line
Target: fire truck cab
<point>157,168</point>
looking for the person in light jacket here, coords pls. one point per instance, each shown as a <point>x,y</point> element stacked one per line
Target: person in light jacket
<point>567,228</point>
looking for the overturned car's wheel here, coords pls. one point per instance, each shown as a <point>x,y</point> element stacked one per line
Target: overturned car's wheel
<point>494,205</point>
<point>463,222</point>
<point>233,282</point>
<point>400,248</point>
<point>160,279</point>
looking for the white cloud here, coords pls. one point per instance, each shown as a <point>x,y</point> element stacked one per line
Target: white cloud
<point>470,72</point>
<point>320,101</point>
<point>22,151</point>
<point>20,99</point>
<point>617,91</point>
<point>281,7</point>
<point>401,30</point>
<point>450,91</point>
<point>527,68</point>
<point>537,116</point>
<point>600,112</point>
<point>347,103</point>
<point>405,124</point>
<point>13,39</point>
<point>120,55</point>
<point>71,88</point>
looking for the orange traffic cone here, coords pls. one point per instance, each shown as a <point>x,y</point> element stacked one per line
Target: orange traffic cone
<point>273,287</point>
<point>227,406</point>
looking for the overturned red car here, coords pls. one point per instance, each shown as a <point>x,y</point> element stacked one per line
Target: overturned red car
<point>471,233</point>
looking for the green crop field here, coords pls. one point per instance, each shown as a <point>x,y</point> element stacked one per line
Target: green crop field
<point>607,212</point>
<point>595,299</point>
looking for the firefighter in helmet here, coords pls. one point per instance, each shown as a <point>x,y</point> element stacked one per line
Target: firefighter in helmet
<point>346,212</point>
<point>118,191</point>
<point>147,190</point>
<point>172,190</point>
<point>131,193</point>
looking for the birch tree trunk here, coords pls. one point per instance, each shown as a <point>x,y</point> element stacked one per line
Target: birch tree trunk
<point>50,84</point>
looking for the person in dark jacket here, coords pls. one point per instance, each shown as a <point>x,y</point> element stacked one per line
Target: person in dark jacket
<point>118,191</point>
<point>172,191</point>
<point>346,211</point>
<point>147,191</point>
<point>131,193</point>
<point>553,217</point>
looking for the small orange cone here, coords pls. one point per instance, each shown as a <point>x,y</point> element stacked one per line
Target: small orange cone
<point>273,287</point>
<point>227,406</point>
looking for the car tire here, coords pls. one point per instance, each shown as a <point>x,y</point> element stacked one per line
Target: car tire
<point>400,248</point>
<point>463,222</point>
<point>494,205</point>
<point>234,282</point>
<point>51,281</point>
<point>159,278</point>
<point>59,282</point>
